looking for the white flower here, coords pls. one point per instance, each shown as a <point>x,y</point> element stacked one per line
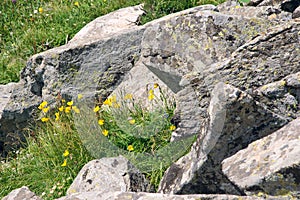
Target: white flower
<point>35,11</point>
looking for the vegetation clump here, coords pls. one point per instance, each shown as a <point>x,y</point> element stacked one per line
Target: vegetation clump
<point>55,151</point>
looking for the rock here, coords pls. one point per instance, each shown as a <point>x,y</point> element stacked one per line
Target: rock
<point>266,12</point>
<point>5,91</point>
<point>235,120</point>
<point>21,193</point>
<point>253,65</point>
<point>270,165</point>
<point>14,116</point>
<point>282,95</point>
<point>109,175</point>
<point>68,70</point>
<point>157,196</point>
<point>109,25</point>
<point>285,5</point>
<point>296,13</point>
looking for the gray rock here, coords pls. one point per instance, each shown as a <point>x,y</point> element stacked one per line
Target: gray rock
<point>68,70</point>
<point>270,165</point>
<point>282,95</point>
<point>156,196</point>
<point>109,175</point>
<point>22,193</point>
<point>235,120</point>
<point>266,12</point>
<point>109,25</point>
<point>5,91</point>
<point>284,5</point>
<point>296,13</point>
<point>253,65</point>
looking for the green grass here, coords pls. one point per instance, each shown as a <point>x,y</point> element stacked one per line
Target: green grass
<point>25,31</point>
<point>39,165</point>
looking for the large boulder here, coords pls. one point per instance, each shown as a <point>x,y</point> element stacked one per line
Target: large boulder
<point>270,165</point>
<point>235,120</point>
<point>65,69</point>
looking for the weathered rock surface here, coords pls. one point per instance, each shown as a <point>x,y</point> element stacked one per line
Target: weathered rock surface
<point>267,12</point>
<point>22,193</point>
<point>291,6</point>
<point>179,44</point>
<point>235,120</point>
<point>296,13</point>
<point>157,196</point>
<point>66,70</point>
<point>255,50</point>
<point>114,23</point>
<point>270,165</point>
<point>109,175</point>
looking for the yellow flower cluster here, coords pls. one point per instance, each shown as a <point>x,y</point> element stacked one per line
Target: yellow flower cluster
<point>151,95</point>
<point>65,154</point>
<point>67,109</point>
<point>45,109</point>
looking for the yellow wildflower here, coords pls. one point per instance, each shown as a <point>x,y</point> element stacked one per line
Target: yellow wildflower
<point>70,103</point>
<point>63,100</point>
<point>61,108</point>
<point>45,119</point>
<point>45,110</point>
<point>66,153</point>
<point>128,96</point>
<point>57,116</point>
<point>96,109</point>
<point>130,148</point>
<point>76,110</point>
<point>116,105</point>
<point>172,127</point>
<point>76,3</point>
<point>41,10</point>
<point>132,121</point>
<point>105,132</point>
<point>65,163</point>
<point>151,95</point>
<point>43,104</point>
<point>156,85</point>
<point>68,109</point>
<point>108,102</point>
<point>79,96</point>
<point>101,122</point>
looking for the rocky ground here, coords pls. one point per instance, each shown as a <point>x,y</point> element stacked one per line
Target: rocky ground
<point>235,73</point>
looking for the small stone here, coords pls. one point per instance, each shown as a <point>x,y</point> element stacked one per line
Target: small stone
<point>21,193</point>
